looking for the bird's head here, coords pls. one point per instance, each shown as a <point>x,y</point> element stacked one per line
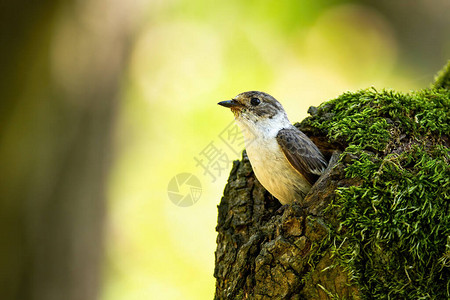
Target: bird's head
<point>254,107</point>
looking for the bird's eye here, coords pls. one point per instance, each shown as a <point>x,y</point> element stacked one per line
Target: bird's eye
<point>255,101</point>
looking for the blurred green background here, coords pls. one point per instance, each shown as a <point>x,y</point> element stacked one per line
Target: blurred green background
<point>104,102</point>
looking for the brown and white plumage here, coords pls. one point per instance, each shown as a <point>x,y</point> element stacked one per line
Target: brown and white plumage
<point>284,159</point>
<point>302,153</point>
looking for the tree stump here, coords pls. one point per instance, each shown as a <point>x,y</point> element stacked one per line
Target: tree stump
<point>375,225</point>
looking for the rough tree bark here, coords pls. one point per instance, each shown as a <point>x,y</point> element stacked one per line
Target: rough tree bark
<point>265,251</point>
<point>268,251</point>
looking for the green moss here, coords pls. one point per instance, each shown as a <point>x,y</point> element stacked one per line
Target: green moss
<point>443,78</point>
<point>394,226</point>
<point>397,224</point>
<point>365,119</point>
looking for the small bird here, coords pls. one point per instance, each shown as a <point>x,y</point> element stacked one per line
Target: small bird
<point>285,161</point>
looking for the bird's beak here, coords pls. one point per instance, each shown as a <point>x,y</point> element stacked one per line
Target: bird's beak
<point>230,103</point>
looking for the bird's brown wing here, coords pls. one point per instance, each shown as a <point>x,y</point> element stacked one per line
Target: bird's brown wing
<point>302,153</point>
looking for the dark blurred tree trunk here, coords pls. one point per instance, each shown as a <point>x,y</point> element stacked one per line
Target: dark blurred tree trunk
<point>60,66</point>
<point>422,28</point>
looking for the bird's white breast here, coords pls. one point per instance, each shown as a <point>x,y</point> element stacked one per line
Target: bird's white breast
<point>269,163</point>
